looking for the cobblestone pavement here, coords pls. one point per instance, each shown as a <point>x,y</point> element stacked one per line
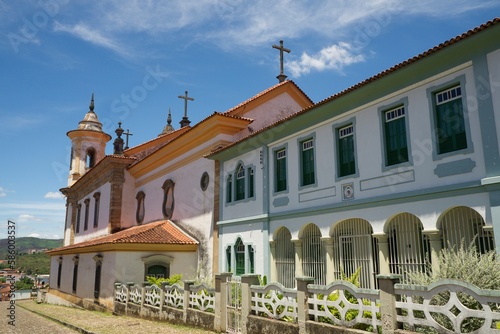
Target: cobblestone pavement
<point>89,321</point>
<point>27,322</point>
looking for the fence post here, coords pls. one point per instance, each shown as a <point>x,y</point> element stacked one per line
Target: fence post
<point>221,301</point>
<point>246,298</point>
<point>388,312</point>
<point>143,294</point>
<point>162,296</point>
<point>302,304</point>
<point>187,295</point>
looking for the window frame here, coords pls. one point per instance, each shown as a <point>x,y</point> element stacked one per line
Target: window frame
<point>383,110</point>
<point>300,144</point>
<point>141,209</point>
<point>336,129</point>
<point>458,81</point>
<point>275,151</point>
<point>97,203</point>
<point>86,218</point>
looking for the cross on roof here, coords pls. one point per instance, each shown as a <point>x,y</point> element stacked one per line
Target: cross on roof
<point>281,77</point>
<point>126,141</point>
<point>185,98</point>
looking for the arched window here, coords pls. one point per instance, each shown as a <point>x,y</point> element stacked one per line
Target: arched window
<point>354,247</point>
<point>75,273</point>
<point>139,213</point>
<point>285,258</point>
<point>168,199</point>
<point>407,245</point>
<point>313,256</point>
<point>59,271</point>
<point>97,201</point>
<point>240,182</point>
<point>97,277</point>
<point>90,158</point>
<point>239,250</point>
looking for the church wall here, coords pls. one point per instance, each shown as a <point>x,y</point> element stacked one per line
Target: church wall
<point>271,111</point>
<point>104,203</point>
<point>130,266</point>
<point>67,226</point>
<point>129,203</point>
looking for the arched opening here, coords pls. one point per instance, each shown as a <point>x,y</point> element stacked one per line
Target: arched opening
<point>90,158</point>
<point>408,247</point>
<point>463,224</point>
<point>285,258</point>
<point>354,247</point>
<point>313,255</point>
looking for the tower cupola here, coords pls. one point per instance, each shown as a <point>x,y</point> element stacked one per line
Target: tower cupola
<point>88,144</point>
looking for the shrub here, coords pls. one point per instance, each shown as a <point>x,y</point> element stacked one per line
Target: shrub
<point>177,278</point>
<point>468,265</point>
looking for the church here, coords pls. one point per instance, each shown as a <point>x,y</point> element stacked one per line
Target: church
<point>152,209</point>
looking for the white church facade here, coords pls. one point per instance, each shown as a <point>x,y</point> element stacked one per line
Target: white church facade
<point>380,176</point>
<point>150,210</point>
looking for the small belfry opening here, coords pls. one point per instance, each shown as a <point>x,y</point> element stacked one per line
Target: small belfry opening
<point>90,158</point>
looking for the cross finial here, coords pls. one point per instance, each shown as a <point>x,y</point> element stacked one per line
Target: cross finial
<point>185,121</point>
<point>91,106</point>
<point>281,77</point>
<point>127,133</point>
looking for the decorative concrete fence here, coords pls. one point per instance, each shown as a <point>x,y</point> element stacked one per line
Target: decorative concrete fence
<point>448,306</point>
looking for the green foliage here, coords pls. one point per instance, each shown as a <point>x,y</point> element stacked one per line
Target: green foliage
<point>31,264</point>
<point>468,265</point>
<point>24,283</point>
<point>24,244</point>
<point>177,278</point>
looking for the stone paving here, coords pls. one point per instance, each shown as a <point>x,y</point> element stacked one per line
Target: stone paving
<point>28,320</point>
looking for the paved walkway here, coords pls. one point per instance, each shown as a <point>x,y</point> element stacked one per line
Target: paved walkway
<point>28,322</point>
<point>36,321</point>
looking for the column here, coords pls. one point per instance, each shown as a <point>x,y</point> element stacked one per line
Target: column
<point>246,298</point>
<point>273,275</point>
<point>327,243</point>
<point>298,257</point>
<point>302,305</point>
<point>388,312</point>
<point>383,253</point>
<point>436,246</point>
<point>221,301</point>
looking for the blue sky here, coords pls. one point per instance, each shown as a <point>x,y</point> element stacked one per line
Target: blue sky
<point>138,56</point>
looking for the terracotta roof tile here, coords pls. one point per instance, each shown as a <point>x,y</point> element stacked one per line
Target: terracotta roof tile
<point>160,232</point>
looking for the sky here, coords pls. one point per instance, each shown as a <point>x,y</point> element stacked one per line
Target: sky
<point>137,57</point>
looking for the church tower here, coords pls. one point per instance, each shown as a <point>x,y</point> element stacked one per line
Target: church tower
<point>88,144</point>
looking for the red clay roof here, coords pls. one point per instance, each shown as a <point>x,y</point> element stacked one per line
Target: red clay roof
<point>160,232</point>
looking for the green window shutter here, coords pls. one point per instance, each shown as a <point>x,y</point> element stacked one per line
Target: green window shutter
<point>240,257</point>
<point>395,136</point>
<point>229,189</point>
<point>346,159</point>
<point>450,124</point>
<point>280,163</point>
<point>251,184</point>
<point>307,162</point>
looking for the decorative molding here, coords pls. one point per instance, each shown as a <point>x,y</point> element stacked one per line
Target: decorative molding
<point>317,194</point>
<point>281,201</point>
<point>455,167</point>
<point>387,180</point>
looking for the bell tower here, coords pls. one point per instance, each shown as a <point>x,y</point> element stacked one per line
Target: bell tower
<point>88,144</point>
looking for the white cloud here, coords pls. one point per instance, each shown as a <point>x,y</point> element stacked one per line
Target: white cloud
<point>34,235</point>
<point>3,193</point>
<point>53,195</point>
<point>334,57</point>
<point>26,218</point>
<point>93,36</point>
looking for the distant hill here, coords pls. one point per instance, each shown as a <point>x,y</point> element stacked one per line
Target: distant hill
<point>25,244</point>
